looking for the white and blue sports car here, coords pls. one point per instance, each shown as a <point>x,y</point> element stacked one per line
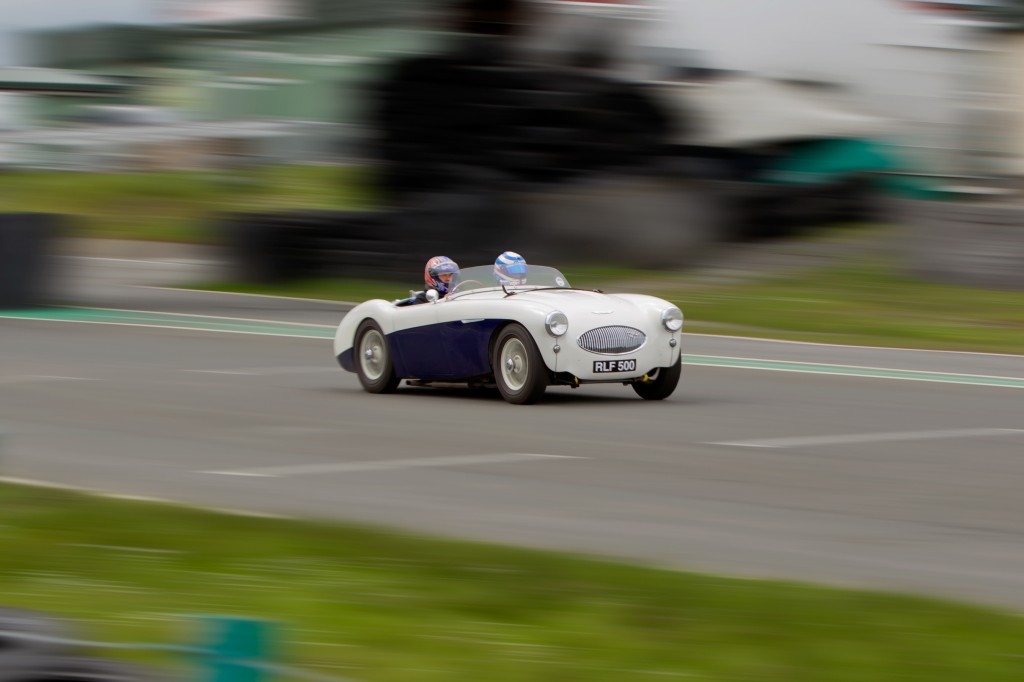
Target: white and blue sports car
<point>519,337</point>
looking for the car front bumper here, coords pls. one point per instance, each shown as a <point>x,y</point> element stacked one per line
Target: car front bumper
<point>573,364</point>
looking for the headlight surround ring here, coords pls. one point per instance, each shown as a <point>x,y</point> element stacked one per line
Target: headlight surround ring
<point>672,319</point>
<point>556,323</point>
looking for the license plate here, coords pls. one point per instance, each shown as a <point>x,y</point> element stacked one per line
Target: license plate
<point>603,366</point>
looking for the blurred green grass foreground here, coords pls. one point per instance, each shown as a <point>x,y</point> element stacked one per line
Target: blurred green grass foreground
<point>379,606</point>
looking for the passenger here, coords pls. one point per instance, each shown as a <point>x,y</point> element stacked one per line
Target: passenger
<point>510,269</point>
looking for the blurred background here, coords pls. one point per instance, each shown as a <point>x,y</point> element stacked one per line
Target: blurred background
<point>644,132</point>
<point>706,151</point>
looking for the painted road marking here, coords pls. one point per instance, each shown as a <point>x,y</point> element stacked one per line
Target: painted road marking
<point>216,371</point>
<point>232,325</point>
<point>40,377</point>
<point>386,465</point>
<point>35,483</point>
<point>866,372</point>
<point>791,342</point>
<point>142,318</point>
<point>847,439</point>
<point>261,371</point>
<point>323,301</point>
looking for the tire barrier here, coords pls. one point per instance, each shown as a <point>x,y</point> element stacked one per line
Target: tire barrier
<point>635,220</point>
<point>442,119</point>
<point>642,221</point>
<point>976,242</point>
<point>37,648</point>
<point>25,242</point>
<point>86,669</point>
<point>282,246</point>
<point>20,655</point>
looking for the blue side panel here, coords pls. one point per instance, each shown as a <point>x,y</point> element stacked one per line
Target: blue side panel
<point>346,361</point>
<point>419,353</point>
<point>453,350</point>
<point>466,343</point>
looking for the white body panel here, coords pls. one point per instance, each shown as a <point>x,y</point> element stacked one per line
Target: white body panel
<point>585,310</point>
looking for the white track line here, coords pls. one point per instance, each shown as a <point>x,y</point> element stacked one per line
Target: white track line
<point>868,368</point>
<point>261,371</point>
<point>326,301</point>
<point>203,317</point>
<point>846,439</point>
<point>40,377</point>
<point>205,330</point>
<point>385,465</point>
<point>35,483</point>
<point>849,345</point>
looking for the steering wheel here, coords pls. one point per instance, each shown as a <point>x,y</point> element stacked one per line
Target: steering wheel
<point>468,281</point>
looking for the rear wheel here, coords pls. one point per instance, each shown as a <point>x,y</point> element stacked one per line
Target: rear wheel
<point>519,370</point>
<point>373,359</point>
<point>662,385</point>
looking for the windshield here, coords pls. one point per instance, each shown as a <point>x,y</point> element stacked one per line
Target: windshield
<point>482,277</point>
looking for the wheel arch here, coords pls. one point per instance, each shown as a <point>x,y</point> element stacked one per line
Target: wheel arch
<point>345,334</point>
<point>382,378</point>
<point>492,342</point>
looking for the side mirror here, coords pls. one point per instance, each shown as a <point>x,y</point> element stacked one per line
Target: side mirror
<point>432,295</point>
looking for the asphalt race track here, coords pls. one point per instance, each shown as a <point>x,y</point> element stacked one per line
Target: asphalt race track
<point>893,469</point>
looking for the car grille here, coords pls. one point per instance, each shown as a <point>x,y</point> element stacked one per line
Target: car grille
<point>612,340</point>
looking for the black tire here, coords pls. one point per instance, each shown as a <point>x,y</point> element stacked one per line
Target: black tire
<point>377,371</point>
<point>524,380</point>
<point>662,385</point>
<point>88,669</point>
<point>19,657</point>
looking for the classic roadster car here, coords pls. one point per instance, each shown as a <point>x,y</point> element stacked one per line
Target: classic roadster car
<point>519,337</point>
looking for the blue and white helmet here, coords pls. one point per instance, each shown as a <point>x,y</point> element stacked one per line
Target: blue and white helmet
<point>510,268</point>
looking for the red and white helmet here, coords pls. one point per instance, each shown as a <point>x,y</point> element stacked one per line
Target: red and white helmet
<point>438,265</point>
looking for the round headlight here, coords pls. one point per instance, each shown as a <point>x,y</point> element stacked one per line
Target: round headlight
<point>672,318</point>
<point>557,323</point>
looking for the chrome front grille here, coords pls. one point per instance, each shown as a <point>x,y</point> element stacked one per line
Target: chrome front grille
<point>612,340</point>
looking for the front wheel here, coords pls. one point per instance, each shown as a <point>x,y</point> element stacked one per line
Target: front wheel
<point>662,385</point>
<point>373,359</point>
<point>519,370</point>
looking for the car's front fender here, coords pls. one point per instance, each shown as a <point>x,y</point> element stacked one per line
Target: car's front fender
<point>378,310</point>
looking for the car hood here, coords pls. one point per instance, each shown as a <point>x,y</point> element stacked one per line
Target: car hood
<point>596,307</point>
<point>573,297</point>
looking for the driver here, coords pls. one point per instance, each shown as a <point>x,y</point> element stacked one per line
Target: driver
<point>437,275</point>
<point>510,269</point>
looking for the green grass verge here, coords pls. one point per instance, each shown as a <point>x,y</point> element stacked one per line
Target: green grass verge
<point>177,206</point>
<point>864,300</point>
<point>384,606</point>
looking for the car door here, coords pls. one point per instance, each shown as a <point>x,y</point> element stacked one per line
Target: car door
<point>465,332</point>
<point>417,343</point>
